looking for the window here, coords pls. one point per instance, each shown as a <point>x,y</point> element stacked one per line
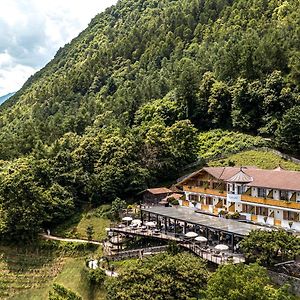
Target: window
<point>290,215</point>
<point>262,192</point>
<point>202,199</point>
<point>284,195</point>
<point>194,197</point>
<point>240,189</point>
<point>200,183</point>
<point>209,200</point>
<point>249,209</point>
<point>262,211</point>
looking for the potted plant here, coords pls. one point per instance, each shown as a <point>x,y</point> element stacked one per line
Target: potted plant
<point>235,215</point>
<point>173,202</point>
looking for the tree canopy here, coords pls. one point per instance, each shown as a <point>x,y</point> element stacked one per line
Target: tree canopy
<point>163,276</point>
<point>269,247</point>
<point>243,282</point>
<point>119,107</point>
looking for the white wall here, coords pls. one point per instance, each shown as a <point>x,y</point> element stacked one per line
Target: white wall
<point>248,216</point>
<point>276,194</point>
<point>278,214</point>
<point>238,207</point>
<point>254,192</point>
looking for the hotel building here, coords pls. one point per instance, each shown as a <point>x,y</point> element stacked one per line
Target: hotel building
<point>264,196</point>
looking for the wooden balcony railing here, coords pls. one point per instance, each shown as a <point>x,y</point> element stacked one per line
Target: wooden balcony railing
<point>271,202</point>
<point>202,190</point>
<point>244,197</point>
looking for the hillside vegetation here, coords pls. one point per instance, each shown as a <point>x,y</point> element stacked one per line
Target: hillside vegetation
<point>221,143</point>
<point>119,108</point>
<point>260,159</point>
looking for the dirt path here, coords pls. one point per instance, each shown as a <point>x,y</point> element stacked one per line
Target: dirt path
<point>55,238</point>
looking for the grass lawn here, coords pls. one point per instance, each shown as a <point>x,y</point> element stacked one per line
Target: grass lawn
<point>77,225</point>
<point>260,159</point>
<point>74,279</point>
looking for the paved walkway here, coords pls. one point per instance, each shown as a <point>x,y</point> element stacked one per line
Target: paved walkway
<point>55,238</point>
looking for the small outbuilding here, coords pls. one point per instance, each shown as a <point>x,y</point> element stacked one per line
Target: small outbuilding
<point>155,195</point>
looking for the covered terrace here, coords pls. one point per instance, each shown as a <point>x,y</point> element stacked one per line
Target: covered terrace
<point>180,220</point>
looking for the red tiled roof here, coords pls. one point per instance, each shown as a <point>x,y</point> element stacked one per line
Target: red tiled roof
<point>161,190</point>
<point>274,179</point>
<point>174,195</point>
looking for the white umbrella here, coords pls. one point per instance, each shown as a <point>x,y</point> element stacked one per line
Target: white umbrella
<point>137,221</point>
<point>201,239</point>
<point>116,240</point>
<point>127,219</point>
<point>222,247</point>
<point>150,224</point>
<point>191,234</point>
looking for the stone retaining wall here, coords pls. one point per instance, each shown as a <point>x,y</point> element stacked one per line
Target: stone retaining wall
<point>281,279</point>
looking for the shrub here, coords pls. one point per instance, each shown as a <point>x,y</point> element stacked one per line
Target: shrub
<point>62,293</point>
<point>269,247</point>
<point>174,202</point>
<point>96,277</point>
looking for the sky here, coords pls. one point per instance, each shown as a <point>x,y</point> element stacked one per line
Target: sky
<point>31,32</point>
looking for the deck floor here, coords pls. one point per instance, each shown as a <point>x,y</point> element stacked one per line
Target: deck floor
<point>208,254</point>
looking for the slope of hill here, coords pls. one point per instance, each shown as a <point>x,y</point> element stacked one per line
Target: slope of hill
<point>5,97</point>
<point>118,108</point>
<point>259,158</point>
<point>228,64</point>
<point>221,143</point>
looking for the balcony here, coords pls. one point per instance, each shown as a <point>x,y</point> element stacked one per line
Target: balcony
<point>271,202</point>
<point>202,190</point>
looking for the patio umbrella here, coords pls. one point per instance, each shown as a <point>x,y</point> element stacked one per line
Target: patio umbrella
<point>150,224</point>
<point>222,247</point>
<point>191,234</point>
<point>127,219</point>
<point>137,221</point>
<point>116,240</point>
<point>201,239</point>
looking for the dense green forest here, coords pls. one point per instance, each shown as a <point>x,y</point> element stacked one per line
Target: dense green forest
<point>120,107</point>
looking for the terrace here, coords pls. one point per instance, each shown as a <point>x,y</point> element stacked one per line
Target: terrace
<point>174,224</point>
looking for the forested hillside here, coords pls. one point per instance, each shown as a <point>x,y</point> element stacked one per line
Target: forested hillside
<point>119,107</point>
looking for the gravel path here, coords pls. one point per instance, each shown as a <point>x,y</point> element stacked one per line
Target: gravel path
<point>55,238</point>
